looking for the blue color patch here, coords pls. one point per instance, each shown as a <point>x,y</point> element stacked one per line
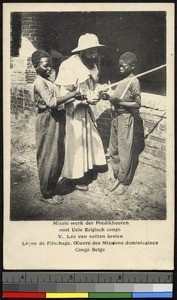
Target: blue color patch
<point>153,295</point>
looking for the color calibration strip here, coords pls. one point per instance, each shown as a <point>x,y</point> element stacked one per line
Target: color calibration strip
<point>140,295</point>
<point>93,285</point>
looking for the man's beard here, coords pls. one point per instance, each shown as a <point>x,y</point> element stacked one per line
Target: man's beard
<point>88,62</point>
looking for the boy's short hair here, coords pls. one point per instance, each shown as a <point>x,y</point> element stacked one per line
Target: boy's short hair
<point>129,57</point>
<point>37,55</point>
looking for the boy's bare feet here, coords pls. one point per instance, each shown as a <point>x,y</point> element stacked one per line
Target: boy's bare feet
<point>122,188</point>
<point>55,200</point>
<point>115,185</point>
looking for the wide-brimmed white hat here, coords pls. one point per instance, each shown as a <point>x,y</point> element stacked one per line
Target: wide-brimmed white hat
<point>86,41</point>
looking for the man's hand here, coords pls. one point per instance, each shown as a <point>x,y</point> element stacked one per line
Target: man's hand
<point>92,97</point>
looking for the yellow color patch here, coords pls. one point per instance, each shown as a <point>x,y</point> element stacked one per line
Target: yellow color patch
<point>66,295</point>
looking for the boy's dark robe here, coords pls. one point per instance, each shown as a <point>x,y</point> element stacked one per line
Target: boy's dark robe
<point>127,137</point>
<point>50,134</point>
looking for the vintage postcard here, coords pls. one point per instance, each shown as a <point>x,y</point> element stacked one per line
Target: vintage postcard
<point>88,115</point>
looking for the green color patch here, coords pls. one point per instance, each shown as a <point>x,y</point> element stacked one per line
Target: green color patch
<point>110,295</point>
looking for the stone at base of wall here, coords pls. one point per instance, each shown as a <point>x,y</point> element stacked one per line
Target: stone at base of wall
<point>153,161</point>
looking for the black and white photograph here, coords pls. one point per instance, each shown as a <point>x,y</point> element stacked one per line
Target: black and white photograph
<point>88,115</point>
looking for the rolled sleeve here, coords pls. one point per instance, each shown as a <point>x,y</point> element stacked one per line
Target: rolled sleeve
<point>47,96</point>
<point>136,91</point>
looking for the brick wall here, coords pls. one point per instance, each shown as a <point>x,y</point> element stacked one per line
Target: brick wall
<point>22,71</point>
<point>153,113</point>
<point>32,28</point>
<point>22,76</point>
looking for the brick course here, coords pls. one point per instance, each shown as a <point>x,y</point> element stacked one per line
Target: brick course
<point>32,28</point>
<point>22,71</point>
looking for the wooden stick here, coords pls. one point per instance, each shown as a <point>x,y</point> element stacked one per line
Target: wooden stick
<point>139,75</point>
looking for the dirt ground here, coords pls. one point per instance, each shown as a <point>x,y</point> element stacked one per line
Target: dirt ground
<point>145,199</point>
